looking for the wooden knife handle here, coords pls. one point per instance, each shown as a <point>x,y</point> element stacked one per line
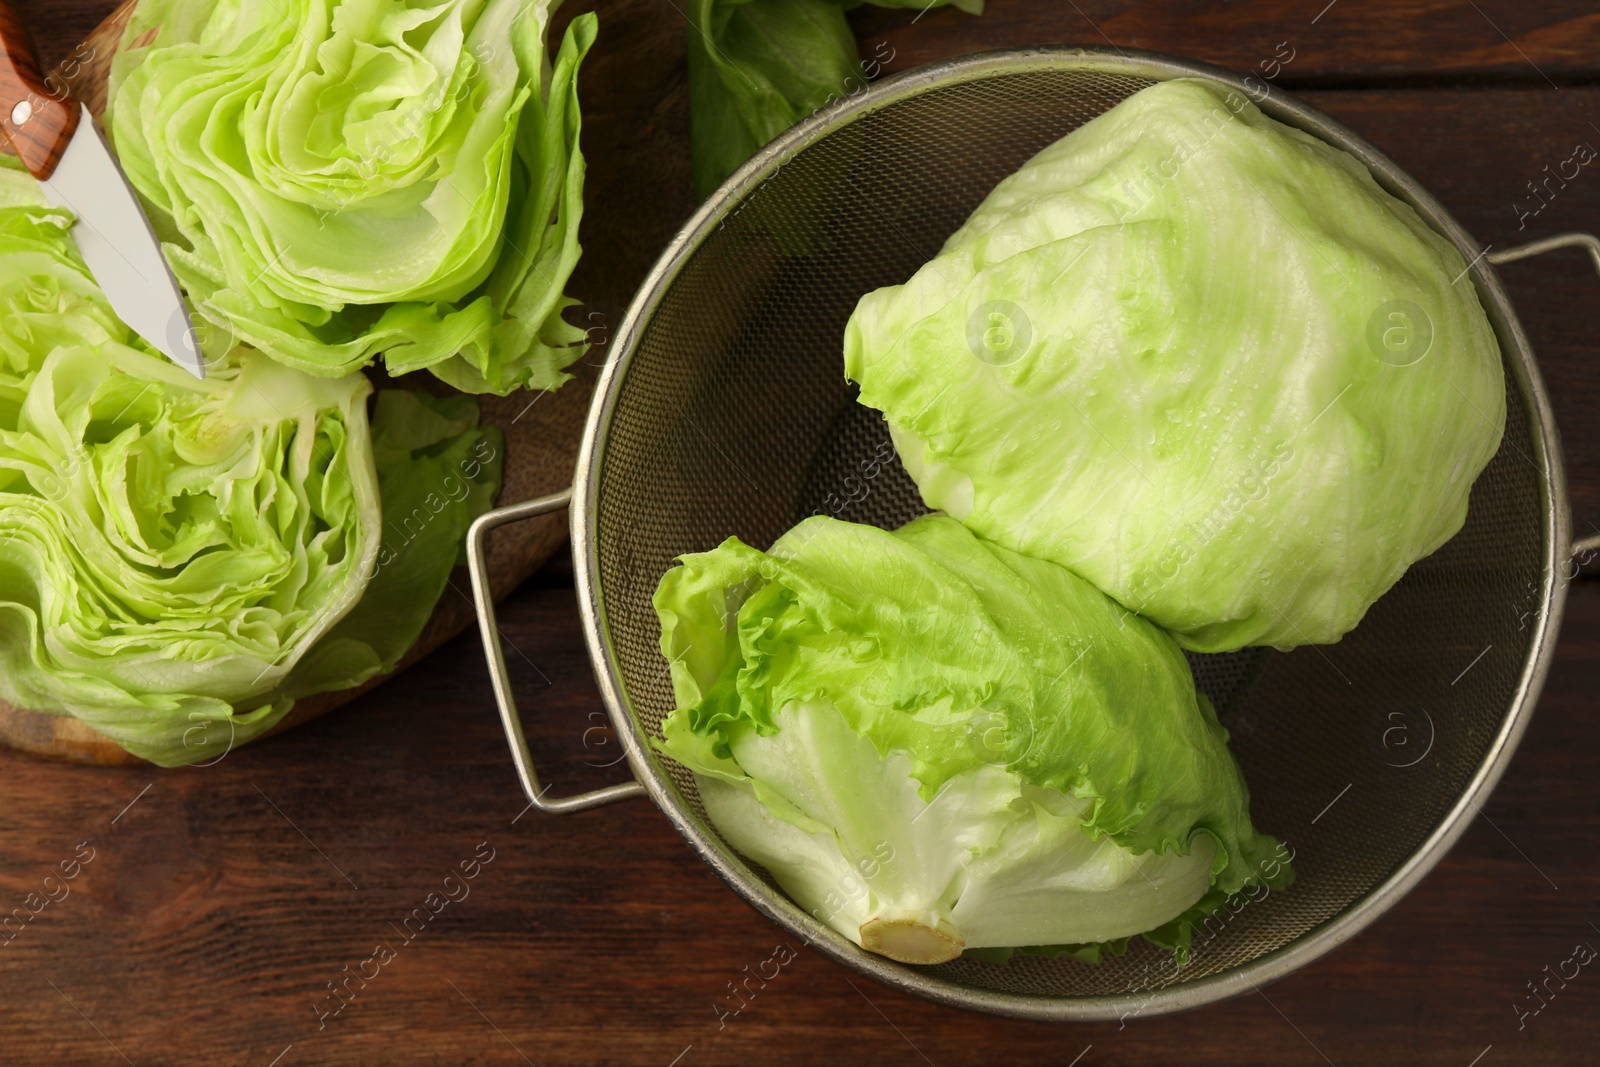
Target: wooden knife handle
<point>37,119</point>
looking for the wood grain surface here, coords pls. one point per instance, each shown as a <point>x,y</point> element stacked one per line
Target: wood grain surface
<point>221,902</point>
<point>36,118</point>
<point>1343,43</point>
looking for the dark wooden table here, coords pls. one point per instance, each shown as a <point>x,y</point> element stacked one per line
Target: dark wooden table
<point>221,902</point>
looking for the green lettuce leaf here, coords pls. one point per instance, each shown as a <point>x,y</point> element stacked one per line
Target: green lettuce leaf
<point>935,743</point>
<point>1201,359</point>
<point>756,67</point>
<point>181,559</point>
<point>335,181</point>
<point>437,471</point>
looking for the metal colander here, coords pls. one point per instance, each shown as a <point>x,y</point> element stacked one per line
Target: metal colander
<point>724,411</point>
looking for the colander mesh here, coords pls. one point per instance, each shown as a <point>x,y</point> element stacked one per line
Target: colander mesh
<point>734,418</point>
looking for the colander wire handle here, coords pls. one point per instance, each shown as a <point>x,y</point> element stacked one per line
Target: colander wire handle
<point>1581,546</point>
<point>483,598</point>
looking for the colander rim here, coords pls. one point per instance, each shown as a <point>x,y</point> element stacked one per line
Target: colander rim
<point>646,765</point>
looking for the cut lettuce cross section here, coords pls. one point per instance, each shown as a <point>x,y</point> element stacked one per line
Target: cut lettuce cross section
<point>936,744</point>
<point>1201,359</point>
<point>335,180</point>
<point>181,559</point>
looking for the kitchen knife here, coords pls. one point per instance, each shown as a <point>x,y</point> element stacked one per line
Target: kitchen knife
<point>58,141</point>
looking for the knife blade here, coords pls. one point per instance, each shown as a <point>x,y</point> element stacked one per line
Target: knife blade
<point>59,143</point>
<point>119,246</point>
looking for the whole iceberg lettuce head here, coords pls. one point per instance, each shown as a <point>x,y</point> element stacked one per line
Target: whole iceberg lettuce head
<point>1201,359</point>
<point>180,559</point>
<point>339,179</point>
<point>937,744</point>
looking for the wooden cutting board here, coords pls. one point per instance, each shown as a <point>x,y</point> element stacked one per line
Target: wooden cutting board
<point>635,193</point>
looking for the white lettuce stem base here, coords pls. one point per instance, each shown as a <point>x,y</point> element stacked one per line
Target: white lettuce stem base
<point>988,861</point>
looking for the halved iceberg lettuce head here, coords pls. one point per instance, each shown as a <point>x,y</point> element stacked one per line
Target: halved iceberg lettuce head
<point>336,180</point>
<point>1201,359</point>
<point>180,560</point>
